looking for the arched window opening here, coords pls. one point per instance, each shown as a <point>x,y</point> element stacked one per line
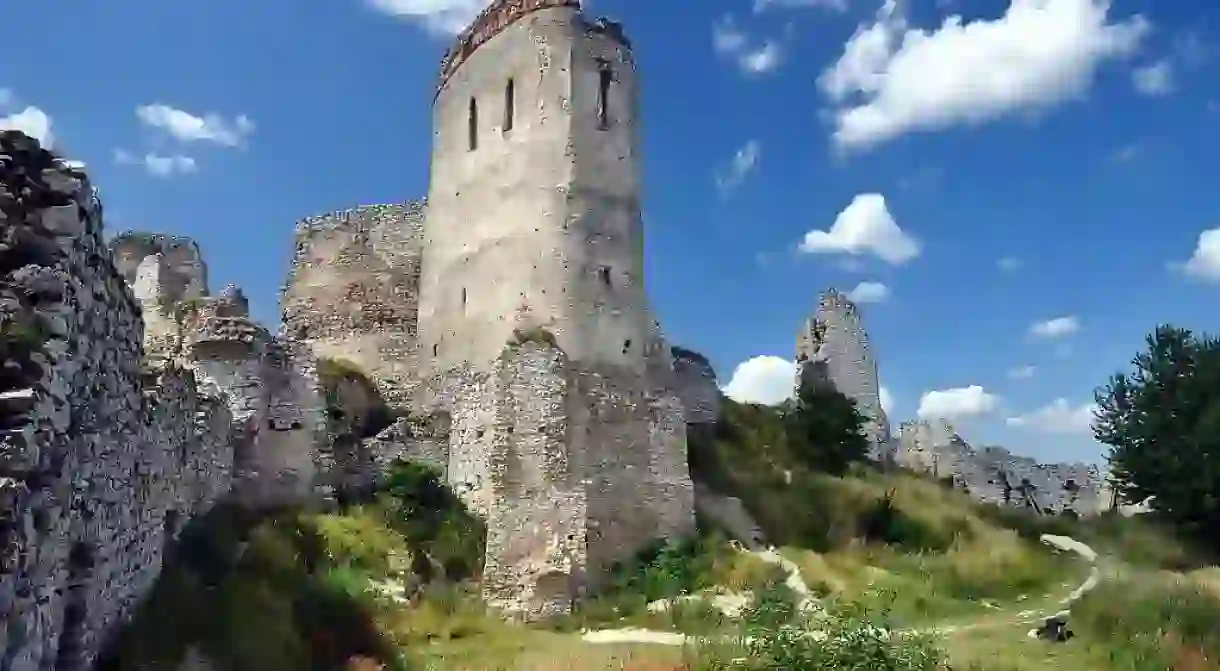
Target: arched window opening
<point>509,104</point>
<point>473,124</point>
<point>604,76</point>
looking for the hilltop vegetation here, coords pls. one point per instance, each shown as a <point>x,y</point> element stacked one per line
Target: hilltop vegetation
<point>906,573</point>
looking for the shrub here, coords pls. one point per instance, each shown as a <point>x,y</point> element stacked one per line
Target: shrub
<point>433,520</point>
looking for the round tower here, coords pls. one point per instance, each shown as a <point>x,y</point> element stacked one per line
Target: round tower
<point>534,203</point>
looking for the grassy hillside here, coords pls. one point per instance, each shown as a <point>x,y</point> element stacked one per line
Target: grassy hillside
<point>392,584</point>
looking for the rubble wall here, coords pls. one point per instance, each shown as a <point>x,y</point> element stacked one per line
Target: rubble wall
<point>100,462</point>
<point>353,291</point>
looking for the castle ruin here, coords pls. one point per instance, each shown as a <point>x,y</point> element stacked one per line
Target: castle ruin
<point>832,348</point>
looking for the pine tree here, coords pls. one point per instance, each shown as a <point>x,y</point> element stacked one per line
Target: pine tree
<point>1162,423</point>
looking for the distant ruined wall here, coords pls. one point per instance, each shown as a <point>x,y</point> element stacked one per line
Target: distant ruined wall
<point>100,462</point>
<point>833,348</point>
<point>994,475</point>
<point>697,386</point>
<point>353,291</point>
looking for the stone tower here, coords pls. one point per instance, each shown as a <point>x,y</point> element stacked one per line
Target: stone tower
<point>534,204</point>
<point>833,348</point>
<point>535,337</point>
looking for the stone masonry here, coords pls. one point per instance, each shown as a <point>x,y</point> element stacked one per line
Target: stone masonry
<point>105,453</point>
<point>101,461</point>
<point>994,475</point>
<point>833,348</point>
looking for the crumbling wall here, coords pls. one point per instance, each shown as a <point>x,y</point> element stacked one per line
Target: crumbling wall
<point>994,475</point>
<point>536,508</point>
<point>833,348</point>
<point>352,291</point>
<point>98,468</point>
<point>697,387</point>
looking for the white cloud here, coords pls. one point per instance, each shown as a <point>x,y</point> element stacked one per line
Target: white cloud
<point>1022,372</point>
<point>1155,79</point>
<point>31,121</point>
<point>744,162</point>
<point>869,292</point>
<point>1055,328</point>
<point>1204,263</point>
<point>1009,264</point>
<point>864,226</point>
<point>762,379</point>
<point>956,404</point>
<point>1057,417</point>
<point>893,79</point>
<point>186,127</point>
<point>442,17</point>
<point>157,165</point>
<point>764,5</point>
<point>750,56</point>
<point>887,400</point>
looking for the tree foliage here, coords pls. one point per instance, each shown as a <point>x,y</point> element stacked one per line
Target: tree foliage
<point>825,430</point>
<point>1162,423</point>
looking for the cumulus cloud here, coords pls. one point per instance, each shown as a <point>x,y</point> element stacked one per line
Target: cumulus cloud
<point>186,127</point>
<point>156,164</point>
<point>865,226</point>
<point>33,122</point>
<point>958,403</point>
<point>869,292</point>
<point>1022,372</point>
<point>762,379</point>
<point>894,79</point>
<point>753,57</point>
<point>441,17</point>
<point>1204,263</point>
<point>1058,327</point>
<point>743,164</point>
<point>1059,416</point>
<point>1155,79</point>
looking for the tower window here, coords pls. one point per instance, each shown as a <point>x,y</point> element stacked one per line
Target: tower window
<point>626,346</point>
<point>604,273</point>
<point>604,75</point>
<point>473,125</point>
<point>463,299</point>
<point>509,96</point>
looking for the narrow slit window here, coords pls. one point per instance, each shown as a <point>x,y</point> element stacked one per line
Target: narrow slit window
<point>509,98</point>
<point>604,273</point>
<point>604,75</point>
<point>463,299</point>
<point>473,125</point>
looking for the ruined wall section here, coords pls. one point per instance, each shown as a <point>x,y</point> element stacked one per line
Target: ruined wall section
<point>537,515</point>
<point>696,385</point>
<point>994,475</point>
<point>165,273</point>
<point>834,348</point>
<point>91,458</point>
<point>353,291</point>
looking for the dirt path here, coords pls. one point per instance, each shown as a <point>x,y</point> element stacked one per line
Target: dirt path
<point>807,601</point>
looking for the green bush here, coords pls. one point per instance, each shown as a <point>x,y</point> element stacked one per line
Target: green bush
<point>433,520</point>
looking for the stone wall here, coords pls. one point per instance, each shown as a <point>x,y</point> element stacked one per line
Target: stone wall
<point>352,291</point>
<point>100,461</point>
<point>833,348</point>
<point>573,470</point>
<point>994,475</point>
<point>697,387</point>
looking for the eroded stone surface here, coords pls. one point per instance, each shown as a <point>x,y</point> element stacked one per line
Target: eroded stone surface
<point>994,475</point>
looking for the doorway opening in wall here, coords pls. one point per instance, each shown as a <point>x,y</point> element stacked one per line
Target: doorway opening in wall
<point>604,75</point>
<point>509,95</point>
<point>76,609</point>
<point>472,128</point>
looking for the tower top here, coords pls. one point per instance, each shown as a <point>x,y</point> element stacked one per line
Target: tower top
<point>495,18</point>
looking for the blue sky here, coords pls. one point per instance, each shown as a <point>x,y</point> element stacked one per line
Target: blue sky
<point>1044,162</point>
